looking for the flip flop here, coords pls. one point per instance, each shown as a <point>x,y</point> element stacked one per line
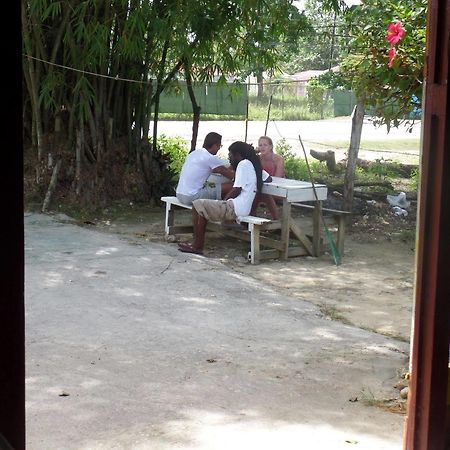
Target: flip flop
<point>188,248</point>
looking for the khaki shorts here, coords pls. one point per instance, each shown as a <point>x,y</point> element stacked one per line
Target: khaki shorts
<point>215,210</point>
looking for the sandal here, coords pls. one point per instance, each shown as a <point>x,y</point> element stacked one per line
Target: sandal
<point>188,248</point>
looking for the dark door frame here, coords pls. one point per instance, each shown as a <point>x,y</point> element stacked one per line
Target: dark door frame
<point>426,421</point>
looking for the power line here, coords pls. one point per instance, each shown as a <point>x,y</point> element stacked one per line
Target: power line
<point>116,78</point>
<point>129,80</point>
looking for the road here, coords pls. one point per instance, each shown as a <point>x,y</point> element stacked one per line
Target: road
<point>311,132</point>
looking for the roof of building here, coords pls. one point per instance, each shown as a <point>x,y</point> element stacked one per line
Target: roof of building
<point>306,75</point>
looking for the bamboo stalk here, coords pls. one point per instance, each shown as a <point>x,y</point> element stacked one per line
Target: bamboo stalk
<point>52,185</point>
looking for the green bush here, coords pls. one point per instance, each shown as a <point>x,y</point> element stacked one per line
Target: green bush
<point>296,167</point>
<point>176,148</point>
<point>415,179</point>
<point>319,99</point>
<point>381,170</point>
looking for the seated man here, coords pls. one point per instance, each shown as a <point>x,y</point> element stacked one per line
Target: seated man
<point>237,203</point>
<point>198,166</point>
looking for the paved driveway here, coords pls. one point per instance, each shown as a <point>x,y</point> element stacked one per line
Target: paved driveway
<point>134,345</point>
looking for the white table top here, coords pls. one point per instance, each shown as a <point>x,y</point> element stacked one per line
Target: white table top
<point>292,190</point>
<point>295,190</point>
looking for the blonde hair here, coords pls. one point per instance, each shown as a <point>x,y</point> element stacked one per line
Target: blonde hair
<point>267,138</point>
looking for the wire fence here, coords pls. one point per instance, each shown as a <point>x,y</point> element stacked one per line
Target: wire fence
<point>291,100</point>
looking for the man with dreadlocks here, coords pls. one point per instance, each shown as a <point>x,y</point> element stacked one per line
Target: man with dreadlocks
<point>237,203</point>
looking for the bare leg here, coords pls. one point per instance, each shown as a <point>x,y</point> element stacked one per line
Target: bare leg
<point>199,224</point>
<point>255,204</point>
<point>226,187</point>
<point>273,208</point>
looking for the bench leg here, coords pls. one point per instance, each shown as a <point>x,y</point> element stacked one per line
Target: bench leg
<point>170,218</point>
<point>254,243</point>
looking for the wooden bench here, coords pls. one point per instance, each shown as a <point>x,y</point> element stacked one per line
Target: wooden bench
<point>252,233</point>
<point>338,216</point>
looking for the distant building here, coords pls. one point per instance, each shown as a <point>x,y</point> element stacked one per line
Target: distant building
<point>301,79</point>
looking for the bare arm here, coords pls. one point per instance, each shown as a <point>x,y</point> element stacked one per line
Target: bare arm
<point>227,172</point>
<point>235,191</point>
<point>279,167</point>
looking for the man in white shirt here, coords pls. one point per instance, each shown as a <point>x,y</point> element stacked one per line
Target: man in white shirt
<point>198,166</point>
<point>237,203</point>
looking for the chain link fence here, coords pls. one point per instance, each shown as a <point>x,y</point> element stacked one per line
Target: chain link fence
<point>279,101</point>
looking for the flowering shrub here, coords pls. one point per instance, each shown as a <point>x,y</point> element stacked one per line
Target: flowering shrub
<point>387,81</point>
<point>395,33</point>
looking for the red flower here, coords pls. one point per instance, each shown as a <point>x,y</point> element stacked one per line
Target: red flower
<point>392,55</point>
<point>395,32</point>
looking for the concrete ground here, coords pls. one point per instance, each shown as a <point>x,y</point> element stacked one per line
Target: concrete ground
<point>134,345</point>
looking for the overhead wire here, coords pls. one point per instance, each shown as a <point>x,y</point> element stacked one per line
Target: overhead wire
<point>265,83</point>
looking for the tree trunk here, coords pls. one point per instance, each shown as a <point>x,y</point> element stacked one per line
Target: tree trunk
<point>260,81</point>
<point>195,106</point>
<point>52,185</point>
<point>268,115</point>
<point>155,122</point>
<point>32,84</point>
<point>147,110</point>
<point>328,157</point>
<point>160,85</point>
<point>78,151</point>
<point>355,140</point>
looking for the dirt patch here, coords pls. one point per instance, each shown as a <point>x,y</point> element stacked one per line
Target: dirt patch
<point>372,288</point>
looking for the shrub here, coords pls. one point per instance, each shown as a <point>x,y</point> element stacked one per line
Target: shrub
<point>176,148</point>
<point>415,179</point>
<point>296,167</point>
<point>382,170</point>
<point>318,97</point>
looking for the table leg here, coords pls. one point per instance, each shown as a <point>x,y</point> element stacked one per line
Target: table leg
<point>285,228</point>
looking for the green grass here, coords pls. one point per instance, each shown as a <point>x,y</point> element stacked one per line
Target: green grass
<point>333,313</point>
<point>282,108</point>
<point>188,116</point>
<point>379,171</point>
<point>393,405</point>
<point>300,112</point>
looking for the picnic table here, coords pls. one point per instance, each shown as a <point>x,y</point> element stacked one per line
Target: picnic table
<point>280,238</point>
<point>293,241</point>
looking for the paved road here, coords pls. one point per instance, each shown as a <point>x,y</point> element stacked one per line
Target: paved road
<point>312,132</point>
<point>134,345</point>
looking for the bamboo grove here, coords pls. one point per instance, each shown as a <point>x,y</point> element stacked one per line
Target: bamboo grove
<point>94,71</point>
